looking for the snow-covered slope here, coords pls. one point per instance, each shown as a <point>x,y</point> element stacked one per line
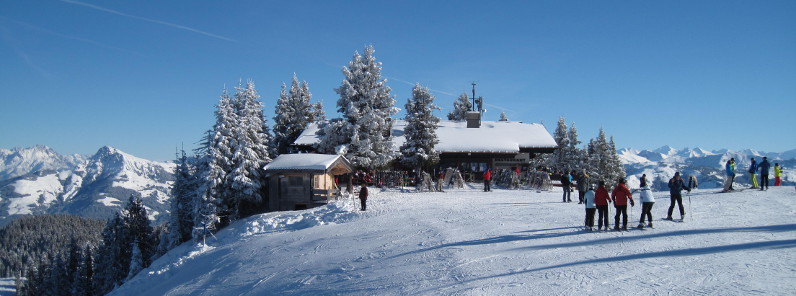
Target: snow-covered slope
<point>506,242</point>
<point>93,187</point>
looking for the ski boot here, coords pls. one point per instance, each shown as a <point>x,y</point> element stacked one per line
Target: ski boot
<point>640,226</point>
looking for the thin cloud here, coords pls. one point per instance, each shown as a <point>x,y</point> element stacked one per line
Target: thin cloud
<point>12,42</point>
<point>181,27</point>
<point>413,84</point>
<point>43,30</point>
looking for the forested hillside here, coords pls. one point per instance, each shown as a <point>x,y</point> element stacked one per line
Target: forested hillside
<point>35,240</point>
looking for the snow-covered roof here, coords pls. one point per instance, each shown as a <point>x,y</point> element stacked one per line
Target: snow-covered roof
<point>454,136</point>
<point>313,163</point>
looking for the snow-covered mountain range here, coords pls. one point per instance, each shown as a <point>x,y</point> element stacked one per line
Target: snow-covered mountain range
<point>707,166</point>
<point>39,180</point>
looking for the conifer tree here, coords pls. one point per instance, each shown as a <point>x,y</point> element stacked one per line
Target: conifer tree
<point>460,107</point>
<point>575,157</point>
<point>559,159</point>
<point>318,113</point>
<point>183,193</point>
<point>616,170</point>
<point>139,230</point>
<point>420,131</point>
<point>136,261</point>
<point>503,116</point>
<point>113,260</point>
<point>604,162</point>
<point>219,165</point>
<point>367,106</point>
<point>250,154</point>
<point>293,113</point>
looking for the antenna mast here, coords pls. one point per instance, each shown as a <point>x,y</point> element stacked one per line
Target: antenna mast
<point>473,106</point>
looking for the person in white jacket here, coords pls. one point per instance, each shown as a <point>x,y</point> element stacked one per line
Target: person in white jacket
<point>588,200</point>
<point>647,200</point>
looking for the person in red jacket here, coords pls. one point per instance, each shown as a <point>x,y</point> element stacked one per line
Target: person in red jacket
<point>487,179</point>
<point>602,200</point>
<point>620,196</point>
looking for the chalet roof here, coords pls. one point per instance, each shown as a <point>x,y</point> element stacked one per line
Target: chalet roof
<point>454,136</point>
<point>310,163</point>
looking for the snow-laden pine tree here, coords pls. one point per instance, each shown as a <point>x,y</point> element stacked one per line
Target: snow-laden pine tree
<point>183,194</point>
<point>559,156</point>
<point>503,117</point>
<point>575,158</point>
<point>113,256</point>
<point>333,136</point>
<point>140,231</point>
<point>211,207</point>
<point>367,106</point>
<point>317,112</point>
<point>616,169</point>
<point>420,131</point>
<point>136,261</point>
<point>603,160</point>
<point>293,113</point>
<point>460,107</point>
<point>250,153</point>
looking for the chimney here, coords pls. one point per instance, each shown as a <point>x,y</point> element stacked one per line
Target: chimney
<point>473,119</point>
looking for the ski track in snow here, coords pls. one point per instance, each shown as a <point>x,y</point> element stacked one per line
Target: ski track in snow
<point>506,242</point>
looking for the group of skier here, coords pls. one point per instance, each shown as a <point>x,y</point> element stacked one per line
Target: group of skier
<point>597,200</point>
<point>764,168</point>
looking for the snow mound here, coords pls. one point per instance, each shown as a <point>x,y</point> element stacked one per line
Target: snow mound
<point>333,213</point>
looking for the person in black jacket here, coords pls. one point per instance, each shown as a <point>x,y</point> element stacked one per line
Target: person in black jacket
<point>363,195</point>
<point>566,184</point>
<point>764,169</point>
<point>676,187</point>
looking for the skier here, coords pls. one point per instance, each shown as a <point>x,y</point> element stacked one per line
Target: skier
<point>764,167</point>
<point>583,185</point>
<point>590,208</point>
<point>647,201</point>
<point>566,184</point>
<point>676,187</point>
<point>752,172</point>
<point>777,175</point>
<point>441,180</point>
<point>487,178</point>
<point>619,196</point>
<point>601,201</point>
<point>363,195</point>
<point>729,169</point>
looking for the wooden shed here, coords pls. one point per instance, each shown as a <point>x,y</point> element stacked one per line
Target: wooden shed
<point>301,181</point>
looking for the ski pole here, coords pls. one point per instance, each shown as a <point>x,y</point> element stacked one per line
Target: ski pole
<point>689,203</point>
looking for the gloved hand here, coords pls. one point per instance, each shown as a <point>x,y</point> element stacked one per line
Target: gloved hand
<point>632,204</point>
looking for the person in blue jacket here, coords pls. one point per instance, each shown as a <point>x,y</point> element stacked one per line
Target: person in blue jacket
<point>752,173</point>
<point>730,170</point>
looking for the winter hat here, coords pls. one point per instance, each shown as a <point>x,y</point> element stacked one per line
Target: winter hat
<point>677,174</point>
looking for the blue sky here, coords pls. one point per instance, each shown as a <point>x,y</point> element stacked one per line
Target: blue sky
<point>144,76</point>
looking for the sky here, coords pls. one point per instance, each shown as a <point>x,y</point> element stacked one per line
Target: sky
<point>144,76</point>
